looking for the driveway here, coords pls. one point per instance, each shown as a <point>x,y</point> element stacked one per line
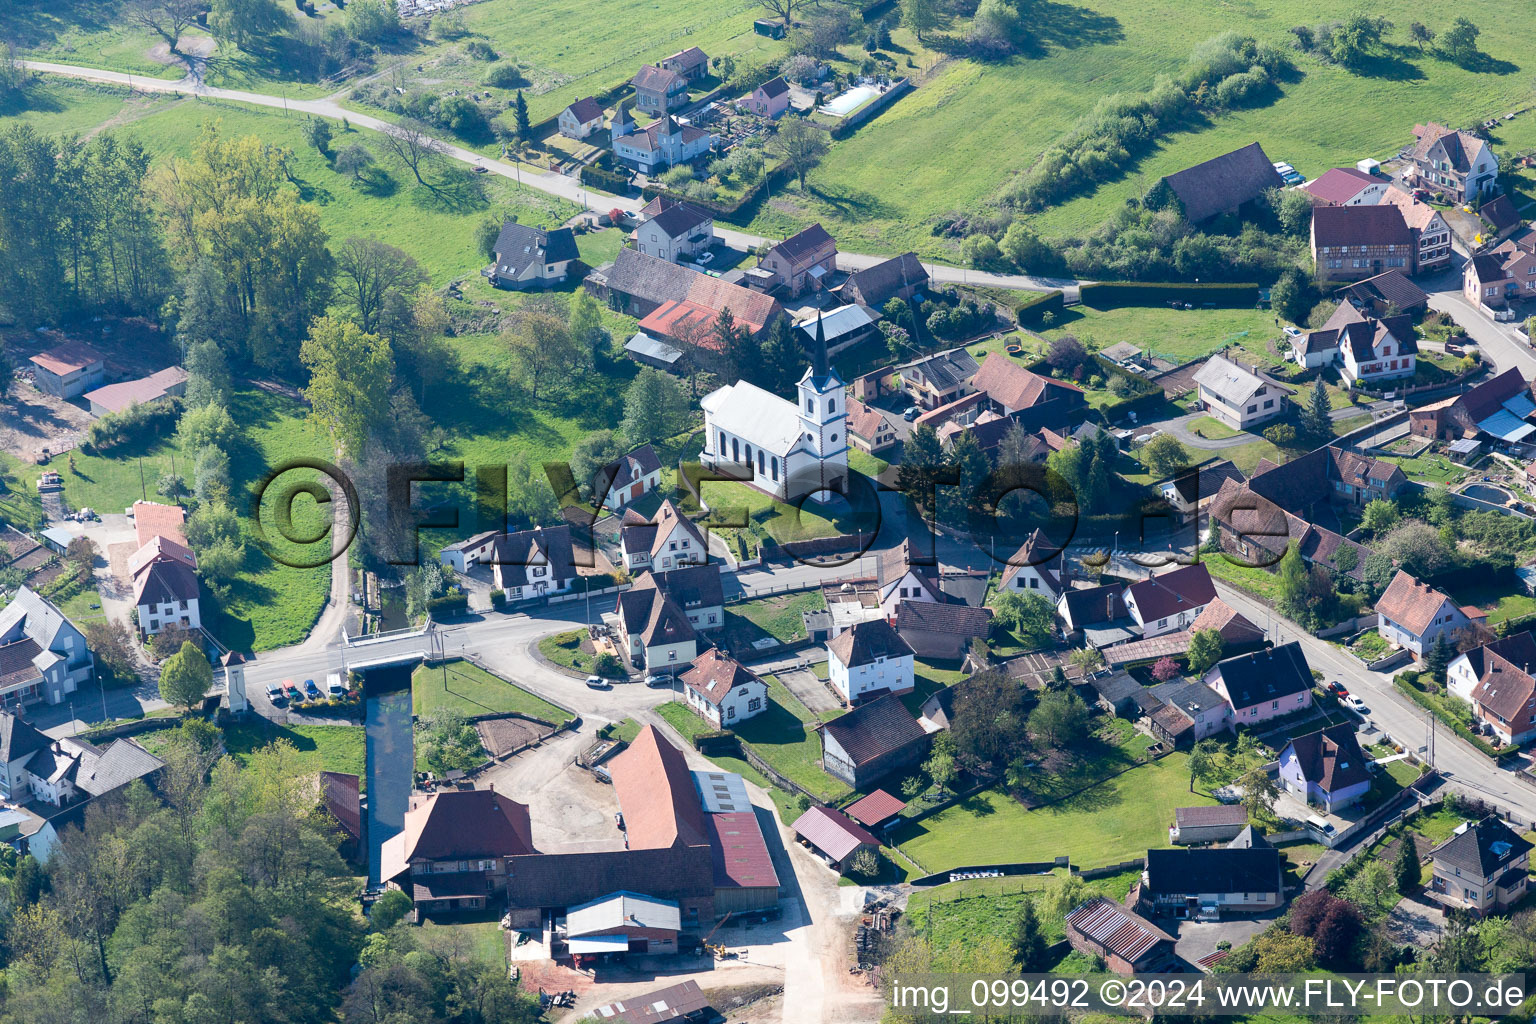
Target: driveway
<point>812,692</point>
<point>1197,939</point>
<point>1416,922</point>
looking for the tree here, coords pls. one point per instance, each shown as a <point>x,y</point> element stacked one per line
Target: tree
<point>171,486</point>
<point>211,476</point>
<point>1459,42</point>
<point>920,16</point>
<point>1063,895</point>
<point>655,408</point>
<point>1259,791</point>
<point>388,909</point>
<point>1281,434</point>
<point>317,132</point>
<point>1357,39</point>
<point>586,321</point>
<point>214,533</point>
<point>987,720</point>
<point>1317,417</point>
<point>921,462</point>
<point>350,372</point>
<point>165,18</point>
<point>940,765</point>
<point>801,144</point>
<point>1203,759</point>
<point>1291,296</point>
<point>520,113</point>
<point>784,9</point>
<point>353,159</point>
<point>245,22</point>
<point>410,143</point>
<point>1380,515</point>
<point>1164,669</point>
<point>1373,888</point>
<point>1280,952</point>
<point>1293,209</point>
<point>1439,656</point>
<point>1405,868</point>
<point>782,359</point>
<point>1293,578</point>
<point>541,346</point>
<point>185,677</point>
<point>590,460</point>
<point>966,458</point>
<point>1421,34</point>
<point>1205,646</point>
<point>1028,616</point>
<point>207,375</point>
<point>1060,718</point>
<point>372,20</point>
<point>208,427</point>
<point>1086,659</point>
<point>1066,353</point>
<point>865,864</point>
<point>996,28</point>
<point>1164,455</point>
<point>370,272</point>
<point>113,649</point>
<point>1416,546</point>
<point>1029,944</point>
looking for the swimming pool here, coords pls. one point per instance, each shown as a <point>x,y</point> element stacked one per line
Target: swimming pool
<point>850,101</point>
<point>1486,492</point>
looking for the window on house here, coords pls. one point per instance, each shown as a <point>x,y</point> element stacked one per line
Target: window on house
<point>755,704</point>
<point>730,712</point>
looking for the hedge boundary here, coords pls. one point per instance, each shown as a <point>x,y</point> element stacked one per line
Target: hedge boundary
<point>1421,698</point>
<point>1115,294</point>
<point>1032,310</point>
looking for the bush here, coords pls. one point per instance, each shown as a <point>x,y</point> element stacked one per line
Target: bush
<point>448,604</point>
<point>480,50</point>
<point>504,75</point>
<point>1032,312</point>
<point>608,666</point>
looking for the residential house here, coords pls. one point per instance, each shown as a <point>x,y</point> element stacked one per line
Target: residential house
<point>455,851</point>
<point>1353,242</point>
<point>659,90</point>
<point>842,326</point>
<point>1495,409</point>
<point>170,382</point>
<point>581,118</point>
<point>869,659</point>
<point>903,574</point>
<point>788,449</point>
<point>1326,768</point>
<point>674,230</point>
<point>1162,604</point>
<point>1127,942</point>
<point>1237,634</point>
<point>1204,884</point>
<point>722,691</point>
<point>1028,570</point>
<point>941,378</point>
<point>1483,868</point>
<point>1207,710</point>
<point>833,836</point>
<point>1501,216</point>
<point>1223,184</point>
<point>689,322</point>
<point>531,257</point>
<point>43,656</point>
<point>1412,614</point>
<point>1386,294</point>
<point>870,429</point>
<point>1084,607</point>
<point>1236,395</point>
<point>769,99</point>
<point>1495,679</point>
<point>1192,490</point>
<point>668,540</point>
<point>1219,823</point>
<point>1457,163</point>
<point>535,563</point>
<point>801,261</point>
<point>69,370</point>
<point>1345,186</point>
<point>1266,684</point>
<point>464,555</point>
<point>1367,350</point>
<point>691,63</point>
<point>1433,232</point>
<point>900,277</point>
<point>165,587</point>
<point>637,283</point>
<point>1504,274</point>
<point>654,630</point>
<point>632,477</point>
<point>872,741</point>
<point>661,145</point>
<point>696,589</point>
<point>623,922</point>
<point>1012,391</point>
<point>941,631</point>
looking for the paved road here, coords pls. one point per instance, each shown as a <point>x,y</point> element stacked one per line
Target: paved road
<point>526,174</point>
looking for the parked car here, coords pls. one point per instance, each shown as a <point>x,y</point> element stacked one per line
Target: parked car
<point>311,689</point>
<point>334,686</point>
<point>658,682</point>
<point>274,693</point>
<point>704,258</point>
<point>599,683</point>
<point>1337,689</point>
<point>1355,704</point>
<point>911,413</point>
<point>291,690</point>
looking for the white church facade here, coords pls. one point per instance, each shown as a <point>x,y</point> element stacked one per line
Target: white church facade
<point>791,449</point>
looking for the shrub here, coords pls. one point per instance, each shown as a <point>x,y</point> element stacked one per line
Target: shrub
<point>608,666</point>
<point>504,75</point>
<point>448,604</point>
<point>1032,312</point>
<point>480,50</point>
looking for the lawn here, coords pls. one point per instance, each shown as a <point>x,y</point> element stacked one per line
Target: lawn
<point>1428,468</point>
<point>1502,605</point>
<point>332,748</point>
<point>1211,428</point>
<point>730,501</point>
<point>470,690</point>
<point>564,649</point>
<point>976,907</point>
<point>1178,335</point>
<point>1258,581</point>
<point>779,615</point>
<point>485,940</point>
<point>1110,822</point>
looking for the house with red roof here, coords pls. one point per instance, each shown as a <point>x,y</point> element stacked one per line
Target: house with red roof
<point>1127,942</point>
<point>1354,242</point>
<point>1457,163</point>
<point>1172,601</point>
<point>581,118</point>
<point>163,570</point>
<point>801,261</point>
<point>113,398</point>
<point>722,690</point>
<point>1412,614</point>
<point>1496,680</point>
<point>769,99</point>
<point>659,90</point>
<point>1345,186</point>
<point>1326,768</point>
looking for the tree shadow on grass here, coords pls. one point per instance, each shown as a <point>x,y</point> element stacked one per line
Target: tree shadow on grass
<point>1390,63</point>
<point>1068,27</point>
<point>376,183</point>
<point>1483,64</point>
<point>453,191</point>
<point>37,23</point>
<point>851,203</point>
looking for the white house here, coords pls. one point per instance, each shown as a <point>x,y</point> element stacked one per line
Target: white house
<point>666,541</point>
<point>674,230</point>
<point>531,257</point>
<point>165,589</point>
<point>464,555</point>
<point>654,631</point>
<point>1412,614</point>
<point>785,449</point>
<point>581,118</point>
<point>665,143</point>
<point>630,478</point>
<point>1346,186</point>
<point>722,691</point>
<point>696,589</point>
<point>1029,570</point>
<point>534,563</point>
<point>902,578</point>
<point>870,659</point>
<point>1495,679</point>
<point>1163,604</point>
<point>43,655</point>
<point>1236,395</point>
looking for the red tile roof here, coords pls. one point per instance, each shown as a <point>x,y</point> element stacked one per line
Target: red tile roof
<point>655,791</point>
<point>152,519</point>
<point>876,808</point>
<point>1340,185</point>
<point>738,852</point>
<point>1410,604</point>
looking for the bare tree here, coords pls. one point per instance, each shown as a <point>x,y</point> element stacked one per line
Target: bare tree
<point>371,271</point>
<point>802,146</point>
<point>413,146</point>
<point>165,18</point>
<point>784,9</point>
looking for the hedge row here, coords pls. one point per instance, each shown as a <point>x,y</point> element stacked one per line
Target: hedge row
<point>1419,697</point>
<point>1033,309</point>
<point>1114,294</point>
<point>448,604</point>
<point>608,181</point>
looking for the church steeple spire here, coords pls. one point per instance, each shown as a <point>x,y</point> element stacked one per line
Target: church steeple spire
<point>819,350</point>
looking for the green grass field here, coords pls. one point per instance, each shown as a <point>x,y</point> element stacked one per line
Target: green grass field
<point>1107,823</point>
<point>470,690</point>
<point>1178,335</point>
<point>332,748</point>
<point>779,615</point>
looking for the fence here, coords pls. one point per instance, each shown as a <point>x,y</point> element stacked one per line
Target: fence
<point>1348,626</point>
<point>893,92</point>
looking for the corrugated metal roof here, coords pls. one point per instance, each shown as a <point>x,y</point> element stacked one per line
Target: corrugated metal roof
<point>1115,928</point>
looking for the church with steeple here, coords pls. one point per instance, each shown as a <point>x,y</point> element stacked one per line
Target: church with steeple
<point>792,448</point>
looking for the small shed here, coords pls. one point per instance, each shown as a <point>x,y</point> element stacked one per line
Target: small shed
<point>1216,824</point>
<point>878,810</point>
<point>1464,449</point>
<point>833,836</point>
